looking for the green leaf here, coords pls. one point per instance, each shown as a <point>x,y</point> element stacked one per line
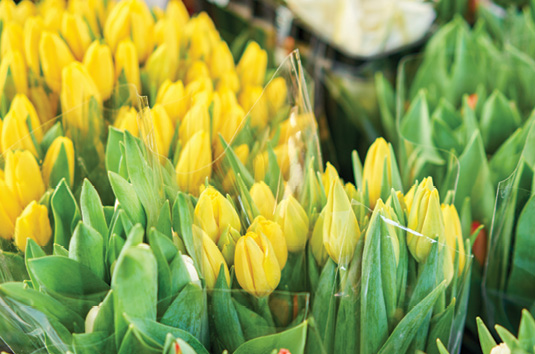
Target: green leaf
<point>13,267</point>
<point>87,248</point>
<point>324,305</point>
<point>136,342</point>
<point>526,332</point>
<point>33,250</point>
<point>96,342</point>
<point>164,221</point>
<point>66,214</point>
<point>92,210</point>
<point>508,338</point>
<point>253,324</point>
<point>441,348</point>
<point>440,328</point>
<point>127,197</point>
<point>237,166</point>
<point>60,169</point>
<point>293,340</point>
<point>182,221</point>
<point>187,310</point>
<point>59,250</point>
<point>485,338</point>
<point>164,273</point>
<point>104,319</point>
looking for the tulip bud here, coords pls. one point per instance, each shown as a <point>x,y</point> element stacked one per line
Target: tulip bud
<point>76,33</point>
<point>252,66</point>
<point>316,241</point>
<point>9,211</point>
<point>52,15</point>
<point>33,223</point>
<point>372,174</point>
<point>454,234</point>
<point>293,220</point>
<point>60,145</point>
<point>390,219</point>
<point>33,28</point>
<point>202,84</point>
<point>425,221</point>
<point>230,80</point>
<point>171,97</point>
<point>126,61</point>
<point>54,56</point>
<point>277,94</point>
<point>127,120</point>
<point>227,243</point>
<point>7,10</point>
<point>214,213</point>
<point>221,60</point>
<point>252,101</point>
<point>11,39</point>
<point>92,11</point>
<point>197,69</point>
<point>162,128</point>
<point>228,124</point>
<point>13,63</point>
<point>46,104</point>
<point>229,182</point>
<point>162,65</point>
<point>24,10</point>
<point>341,230</point>
<point>99,63</point>
<point>196,119</point>
<point>77,90</point>
<point>199,43</point>
<point>256,265</point>
<point>23,177</point>
<point>212,259</point>
<point>264,200</point>
<point>329,176</point>
<point>176,11</point>
<point>16,129</point>
<point>195,163</point>
<point>273,232</point>
<point>131,19</point>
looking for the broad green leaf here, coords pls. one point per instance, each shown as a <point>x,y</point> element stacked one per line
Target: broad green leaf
<point>66,214</point>
<point>127,197</point>
<point>186,311</point>
<point>164,273</point>
<point>113,151</point>
<point>526,332</point>
<point>92,210</point>
<point>95,342</point>
<point>164,221</point>
<point>87,248</point>
<point>440,328</point>
<point>136,342</point>
<point>293,340</point>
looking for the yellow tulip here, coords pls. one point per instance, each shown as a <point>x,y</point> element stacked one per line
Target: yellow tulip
<point>264,200</point>
<point>197,69</point>
<point>131,19</point>
<point>256,265</point>
<point>261,162</point>
<point>16,130</point>
<point>52,155</point>
<point>168,31</point>
<point>162,128</point>
<point>227,98</point>
<point>195,163</point>
<point>296,124</point>
<point>46,105</point>
<point>229,182</point>
<point>33,223</point>
<point>372,173</point>
<point>126,60</point>
<point>76,92</point>
<point>212,259</point>
<point>55,56</point>
<point>214,213</point>
<point>13,62</point>
<point>229,79</point>
<point>340,227</point>
<point>252,101</point>
<point>99,63</point>
<point>227,244</point>
<point>52,17</point>
<point>196,119</point>
<point>33,28</point>
<point>329,176</point>
<point>228,124</point>
<point>11,39</point>
<point>293,220</point>
<point>221,60</point>
<point>273,232</point>
<point>161,65</point>
<point>171,97</point>
<point>454,234</point>
<point>199,43</point>
<point>93,11</point>
<point>24,10</point>
<point>176,11</point>
<point>425,222</point>
<point>23,177</point>
<point>409,197</point>
<point>316,241</point>
<point>277,94</point>
<point>127,120</point>
<point>7,10</point>
<point>9,211</point>
<point>76,33</point>
<point>251,68</point>
<point>200,85</point>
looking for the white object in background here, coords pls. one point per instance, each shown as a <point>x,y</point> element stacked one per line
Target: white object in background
<point>366,27</point>
<point>162,4</point>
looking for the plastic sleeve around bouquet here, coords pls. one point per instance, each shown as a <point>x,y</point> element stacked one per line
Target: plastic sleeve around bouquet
<point>509,267</point>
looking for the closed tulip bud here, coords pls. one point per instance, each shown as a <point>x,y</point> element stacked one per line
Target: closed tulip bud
<point>7,10</point>
<point>33,223</point>
<point>212,259</point>
<point>221,60</point>
<point>293,220</point>
<point>227,100</point>
<point>256,265</point>
<point>341,230</point>
<point>195,163</point>
<point>425,221</point>
<point>77,89</point>
<point>131,19</point>
<point>273,232</point>
<point>316,241</point>
<point>11,39</point>
<point>54,55</point>
<point>454,234</point>
<point>329,176</point>
<point>229,182</point>
<point>9,211</point>
<point>92,11</point>
<point>197,69</point>
<point>277,94</point>
<point>76,33</point>
<point>372,174</point>
<point>251,68</point>
<point>196,119</point>
<point>162,128</point>
<point>229,79</point>
<point>126,61</point>
<point>99,63</point>
<point>168,31</point>
<point>264,200</point>
<point>52,16</point>
<point>214,213</point>
<point>200,85</point>
<point>227,244</point>
<point>23,177</point>
<point>16,129</point>
<point>33,28</point>
<point>228,124</point>
<point>409,197</point>
<point>171,97</point>
<point>13,63</point>
<point>60,145</point>
<point>127,120</point>
<point>161,65</point>
<point>24,10</point>
<point>176,11</point>
<point>199,44</point>
<point>252,101</point>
